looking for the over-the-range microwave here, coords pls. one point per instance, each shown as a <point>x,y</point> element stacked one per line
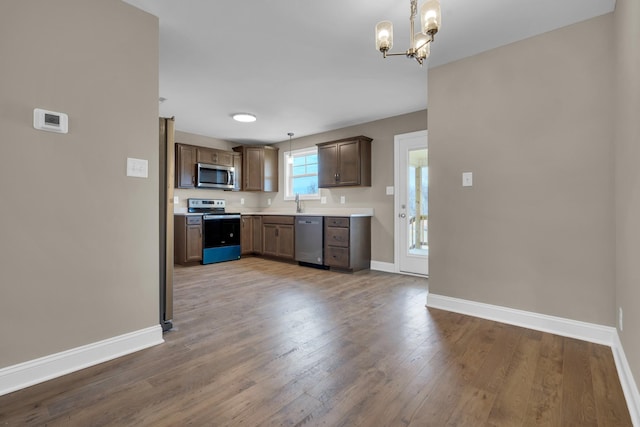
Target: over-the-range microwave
<point>215,176</point>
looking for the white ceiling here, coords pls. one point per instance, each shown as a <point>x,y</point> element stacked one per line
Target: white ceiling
<point>308,66</point>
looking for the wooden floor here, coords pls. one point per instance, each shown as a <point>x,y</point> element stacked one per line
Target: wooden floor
<point>263,343</point>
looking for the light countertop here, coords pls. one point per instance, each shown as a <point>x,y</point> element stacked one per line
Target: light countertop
<point>344,212</point>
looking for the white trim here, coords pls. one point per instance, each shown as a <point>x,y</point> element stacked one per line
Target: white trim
<point>591,332</point>
<point>396,196</point>
<point>383,266</point>
<point>288,194</point>
<point>627,382</point>
<point>541,322</point>
<point>389,267</point>
<point>35,371</point>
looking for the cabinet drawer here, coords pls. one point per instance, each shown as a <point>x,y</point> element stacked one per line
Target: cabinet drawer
<point>336,257</point>
<point>194,220</point>
<point>336,237</point>
<point>277,219</point>
<point>333,221</point>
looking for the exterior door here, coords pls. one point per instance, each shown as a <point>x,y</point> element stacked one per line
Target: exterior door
<point>411,207</point>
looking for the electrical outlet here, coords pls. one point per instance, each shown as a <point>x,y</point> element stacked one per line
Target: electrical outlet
<point>176,200</point>
<point>620,319</point>
<point>242,201</point>
<point>269,202</point>
<point>343,200</point>
<point>323,200</point>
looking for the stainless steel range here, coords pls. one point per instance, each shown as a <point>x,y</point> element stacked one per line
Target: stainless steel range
<point>221,230</point>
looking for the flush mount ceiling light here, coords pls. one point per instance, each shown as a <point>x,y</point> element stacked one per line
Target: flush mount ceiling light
<point>420,42</point>
<point>244,117</point>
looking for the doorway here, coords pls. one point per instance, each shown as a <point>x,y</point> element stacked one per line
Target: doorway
<point>411,203</point>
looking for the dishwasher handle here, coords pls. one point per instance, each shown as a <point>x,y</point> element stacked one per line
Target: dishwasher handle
<point>306,222</point>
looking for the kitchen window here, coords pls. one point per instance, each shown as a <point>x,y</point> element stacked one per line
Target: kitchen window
<point>301,174</point>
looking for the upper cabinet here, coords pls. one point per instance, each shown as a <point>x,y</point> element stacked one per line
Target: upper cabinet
<point>214,157</point>
<point>259,168</point>
<point>185,166</point>
<point>237,165</point>
<point>345,162</point>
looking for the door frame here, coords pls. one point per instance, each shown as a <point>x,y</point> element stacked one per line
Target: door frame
<point>397,224</point>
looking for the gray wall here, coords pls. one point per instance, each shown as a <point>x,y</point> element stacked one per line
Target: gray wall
<point>533,122</point>
<point>79,239</point>
<point>382,132</point>
<point>627,177</point>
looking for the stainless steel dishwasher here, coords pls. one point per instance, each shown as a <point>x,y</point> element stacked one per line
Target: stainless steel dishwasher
<point>309,240</point>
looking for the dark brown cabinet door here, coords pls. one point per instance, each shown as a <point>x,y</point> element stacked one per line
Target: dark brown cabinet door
<point>253,168</point>
<point>270,169</point>
<point>257,234</point>
<point>194,243</point>
<point>224,158</point>
<point>278,239</point>
<point>270,239</point>
<point>206,155</point>
<point>186,166</point>
<point>187,238</point>
<point>259,168</point>
<point>237,164</point>
<point>346,162</point>
<point>286,241</point>
<point>213,156</point>
<point>246,235</point>
<point>327,164</point>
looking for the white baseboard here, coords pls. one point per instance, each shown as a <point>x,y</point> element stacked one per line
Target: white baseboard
<point>629,386</point>
<point>388,267</point>
<point>35,371</point>
<point>590,332</point>
<point>541,322</point>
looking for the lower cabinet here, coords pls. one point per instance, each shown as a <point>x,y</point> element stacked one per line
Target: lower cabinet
<point>347,243</point>
<point>246,235</point>
<point>187,232</point>
<point>347,240</point>
<point>278,239</point>
<point>251,234</point>
<point>256,222</point>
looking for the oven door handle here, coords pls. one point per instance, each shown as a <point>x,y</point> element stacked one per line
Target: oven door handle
<point>222,216</point>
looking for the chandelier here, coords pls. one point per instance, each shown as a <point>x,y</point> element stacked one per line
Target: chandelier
<point>420,42</point>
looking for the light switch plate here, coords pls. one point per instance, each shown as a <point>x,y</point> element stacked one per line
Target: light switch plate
<point>176,200</point>
<point>467,179</point>
<point>137,167</point>
<point>389,190</point>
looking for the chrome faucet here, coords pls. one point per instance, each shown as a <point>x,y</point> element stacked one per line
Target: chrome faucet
<point>298,204</point>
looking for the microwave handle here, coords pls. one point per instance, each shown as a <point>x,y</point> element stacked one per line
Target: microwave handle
<point>230,178</point>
